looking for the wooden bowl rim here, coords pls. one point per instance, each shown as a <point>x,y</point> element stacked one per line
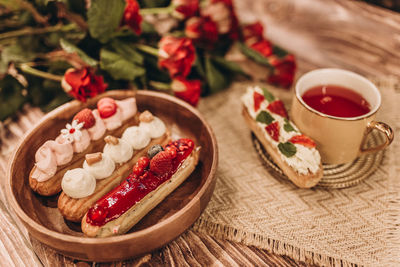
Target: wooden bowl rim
<point>126,237</point>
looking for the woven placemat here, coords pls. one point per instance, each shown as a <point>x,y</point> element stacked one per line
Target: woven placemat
<point>335,175</point>
<point>342,227</point>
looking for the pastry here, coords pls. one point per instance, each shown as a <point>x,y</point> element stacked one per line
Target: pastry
<point>293,152</point>
<point>108,168</point>
<point>82,136</point>
<point>153,178</point>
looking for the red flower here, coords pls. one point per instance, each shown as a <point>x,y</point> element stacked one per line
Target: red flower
<point>132,17</point>
<point>185,8</point>
<point>176,55</point>
<point>202,30</point>
<point>223,14</point>
<point>263,47</point>
<point>187,90</point>
<point>82,83</point>
<point>252,33</point>
<point>283,71</point>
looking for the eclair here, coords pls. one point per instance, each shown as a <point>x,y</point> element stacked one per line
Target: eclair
<point>80,137</point>
<point>153,178</point>
<point>293,152</point>
<point>107,169</point>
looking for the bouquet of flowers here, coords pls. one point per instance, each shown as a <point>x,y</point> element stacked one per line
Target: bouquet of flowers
<point>52,51</point>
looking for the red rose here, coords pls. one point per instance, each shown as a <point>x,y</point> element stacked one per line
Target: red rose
<point>176,55</point>
<point>82,83</point>
<point>283,71</point>
<point>252,33</point>
<point>202,30</point>
<point>131,16</point>
<point>187,90</point>
<point>185,8</point>
<point>223,14</point>
<point>263,47</point>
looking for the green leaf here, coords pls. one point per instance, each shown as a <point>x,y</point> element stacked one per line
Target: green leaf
<point>119,67</point>
<point>216,80</point>
<point>17,53</point>
<point>253,54</point>
<point>71,48</point>
<point>264,117</point>
<point>267,94</point>
<point>104,17</point>
<point>288,126</point>
<point>287,149</point>
<point>11,96</point>
<point>278,51</point>
<point>229,65</point>
<point>128,50</point>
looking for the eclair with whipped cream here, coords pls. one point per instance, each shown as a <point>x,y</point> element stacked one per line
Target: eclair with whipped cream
<point>293,152</point>
<point>84,134</point>
<point>109,168</point>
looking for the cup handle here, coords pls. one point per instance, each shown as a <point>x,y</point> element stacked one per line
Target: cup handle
<point>382,127</point>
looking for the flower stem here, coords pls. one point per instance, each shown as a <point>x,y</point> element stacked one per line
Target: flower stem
<point>34,31</point>
<point>160,85</point>
<point>147,49</point>
<point>25,67</point>
<point>157,10</point>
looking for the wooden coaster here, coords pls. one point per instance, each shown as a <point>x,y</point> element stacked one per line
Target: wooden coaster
<point>335,176</point>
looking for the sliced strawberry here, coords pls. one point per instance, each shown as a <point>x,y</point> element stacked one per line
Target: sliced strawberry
<point>277,107</point>
<point>258,98</point>
<point>161,163</point>
<point>273,130</point>
<point>302,140</point>
<point>107,107</point>
<point>85,116</point>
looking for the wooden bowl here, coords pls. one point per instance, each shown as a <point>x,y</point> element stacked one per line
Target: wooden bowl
<point>163,224</point>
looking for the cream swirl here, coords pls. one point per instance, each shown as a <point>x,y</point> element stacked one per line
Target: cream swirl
<point>120,152</point>
<point>128,107</point>
<point>137,137</point>
<point>98,129</point>
<point>83,142</point>
<point>62,150</point>
<point>101,169</point>
<point>114,121</point>
<point>156,128</point>
<point>78,183</point>
<point>46,163</point>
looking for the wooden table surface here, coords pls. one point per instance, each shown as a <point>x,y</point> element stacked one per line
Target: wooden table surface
<point>321,33</point>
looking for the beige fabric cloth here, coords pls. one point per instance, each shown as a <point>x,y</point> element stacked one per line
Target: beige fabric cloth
<point>326,227</point>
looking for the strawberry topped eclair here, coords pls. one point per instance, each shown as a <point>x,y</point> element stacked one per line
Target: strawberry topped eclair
<point>153,178</point>
<point>102,171</point>
<point>293,152</point>
<point>82,135</point>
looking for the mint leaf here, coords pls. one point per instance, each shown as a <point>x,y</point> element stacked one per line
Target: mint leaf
<point>264,117</point>
<point>268,96</point>
<point>119,67</point>
<point>253,54</point>
<point>128,50</point>
<point>71,48</point>
<point>287,149</point>
<point>288,126</point>
<point>216,80</point>
<point>104,17</point>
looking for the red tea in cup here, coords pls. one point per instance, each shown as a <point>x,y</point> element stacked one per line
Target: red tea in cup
<point>336,101</point>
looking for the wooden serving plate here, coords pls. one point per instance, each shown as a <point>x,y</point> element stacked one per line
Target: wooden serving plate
<point>163,224</point>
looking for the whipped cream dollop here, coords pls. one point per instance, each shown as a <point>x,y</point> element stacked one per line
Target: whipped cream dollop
<point>101,169</point>
<point>79,145</point>
<point>63,150</point>
<point>128,107</point>
<point>46,163</point>
<point>120,152</point>
<point>78,183</point>
<point>114,121</point>
<point>137,137</point>
<point>156,128</point>
<point>98,129</point>
<point>305,160</point>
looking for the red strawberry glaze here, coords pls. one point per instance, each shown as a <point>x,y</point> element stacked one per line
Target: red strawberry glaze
<point>273,130</point>
<point>277,107</point>
<point>258,98</point>
<point>303,140</point>
<point>135,188</point>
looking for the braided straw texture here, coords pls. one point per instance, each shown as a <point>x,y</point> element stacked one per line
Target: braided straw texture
<point>324,226</point>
